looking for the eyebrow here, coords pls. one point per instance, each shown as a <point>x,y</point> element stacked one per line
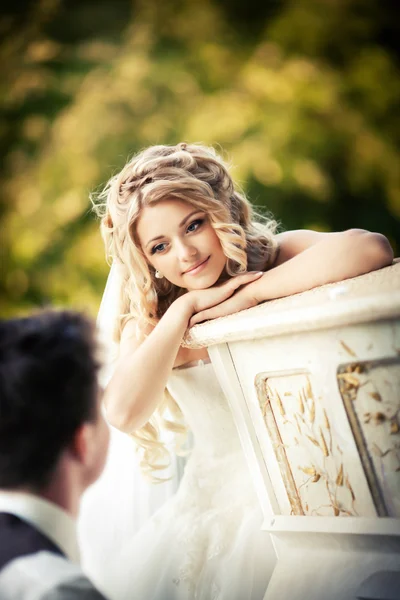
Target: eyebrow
<point>181,224</point>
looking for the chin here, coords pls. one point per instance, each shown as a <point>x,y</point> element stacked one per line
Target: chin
<point>202,283</point>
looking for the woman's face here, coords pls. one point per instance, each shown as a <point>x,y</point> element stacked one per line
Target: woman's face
<point>179,241</point>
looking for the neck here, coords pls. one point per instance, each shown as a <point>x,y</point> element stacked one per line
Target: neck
<point>64,495</point>
<point>64,489</point>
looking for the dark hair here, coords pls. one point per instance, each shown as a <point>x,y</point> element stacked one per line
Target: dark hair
<point>48,389</point>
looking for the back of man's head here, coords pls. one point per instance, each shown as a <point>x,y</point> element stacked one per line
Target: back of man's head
<point>48,389</point>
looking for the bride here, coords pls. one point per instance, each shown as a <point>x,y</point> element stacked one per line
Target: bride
<point>186,246</point>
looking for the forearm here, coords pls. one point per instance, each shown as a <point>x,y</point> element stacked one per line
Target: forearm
<point>140,377</point>
<point>345,255</point>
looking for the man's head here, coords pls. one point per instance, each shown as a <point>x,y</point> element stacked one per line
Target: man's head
<point>49,400</point>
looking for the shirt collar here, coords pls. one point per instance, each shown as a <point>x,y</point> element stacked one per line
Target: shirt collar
<point>49,518</point>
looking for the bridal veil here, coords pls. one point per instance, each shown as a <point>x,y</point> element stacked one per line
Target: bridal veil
<point>119,503</point>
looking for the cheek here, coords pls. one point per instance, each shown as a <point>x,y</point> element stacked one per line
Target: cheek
<point>213,240</point>
<point>155,261</point>
<point>167,267</point>
<point>217,248</point>
<point>151,262</point>
<point>161,263</point>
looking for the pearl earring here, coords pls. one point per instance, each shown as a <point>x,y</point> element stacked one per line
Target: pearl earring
<point>158,275</point>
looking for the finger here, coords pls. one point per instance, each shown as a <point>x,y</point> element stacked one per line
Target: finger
<point>196,319</point>
<point>227,307</point>
<point>245,278</point>
<point>249,275</point>
<point>221,294</point>
<point>240,279</point>
<point>204,315</point>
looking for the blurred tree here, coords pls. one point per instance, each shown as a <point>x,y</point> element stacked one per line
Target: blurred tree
<point>300,95</point>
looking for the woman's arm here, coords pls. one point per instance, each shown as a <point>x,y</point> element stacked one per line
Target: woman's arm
<point>292,243</point>
<point>308,259</point>
<point>142,370</point>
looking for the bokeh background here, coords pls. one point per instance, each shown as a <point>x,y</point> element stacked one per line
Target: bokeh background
<point>301,96</point>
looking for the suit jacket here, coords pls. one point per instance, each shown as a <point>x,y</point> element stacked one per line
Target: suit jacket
<point>32,566</point>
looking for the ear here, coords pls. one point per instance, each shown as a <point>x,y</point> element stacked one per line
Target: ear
<point>83,443</point>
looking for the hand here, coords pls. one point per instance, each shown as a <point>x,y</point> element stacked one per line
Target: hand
<point>196,301</point>
<point>226,299</point>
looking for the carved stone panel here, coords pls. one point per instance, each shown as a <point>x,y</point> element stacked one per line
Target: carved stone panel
<point>319,476</point>
<point>371,394</point>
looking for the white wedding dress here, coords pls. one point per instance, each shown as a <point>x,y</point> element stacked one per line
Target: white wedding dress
<point>205,542</point>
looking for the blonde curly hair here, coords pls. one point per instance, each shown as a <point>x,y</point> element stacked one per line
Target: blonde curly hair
<point>197,175</point>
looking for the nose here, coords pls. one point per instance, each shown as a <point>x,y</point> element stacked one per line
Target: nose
<point>186,251</point>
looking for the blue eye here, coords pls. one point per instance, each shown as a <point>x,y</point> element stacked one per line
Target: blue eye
<point>195,225</point>
<point>158,248</point>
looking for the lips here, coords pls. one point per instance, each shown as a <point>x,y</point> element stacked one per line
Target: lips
<point>196,267</point>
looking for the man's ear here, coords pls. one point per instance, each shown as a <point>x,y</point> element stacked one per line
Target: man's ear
<point>82,444</point>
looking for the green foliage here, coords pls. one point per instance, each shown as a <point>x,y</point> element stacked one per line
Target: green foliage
<point>301,96</point>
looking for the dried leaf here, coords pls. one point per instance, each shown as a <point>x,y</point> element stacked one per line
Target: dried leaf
<point>312,411</point>
<point>347,348</point>
<point>297,423</point>
<point>323,443</point>
<point>308,470</point>
<point>301,418</point>
<point>376,396</point>
<point>308,389</point>
<point>326,420</point>
<point>316,478</point>
<point>336,511</point>
<point>349,379</point>
<point>353,497</point>
<point>280,405</point>
<point>313,440</point>
<point>394,427</point>
<point>301,404</point>
<point>339,478</point>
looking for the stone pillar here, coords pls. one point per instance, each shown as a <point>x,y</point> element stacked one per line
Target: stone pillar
<point>313,381</point>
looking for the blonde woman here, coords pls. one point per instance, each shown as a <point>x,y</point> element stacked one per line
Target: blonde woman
<point>187,247</point>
